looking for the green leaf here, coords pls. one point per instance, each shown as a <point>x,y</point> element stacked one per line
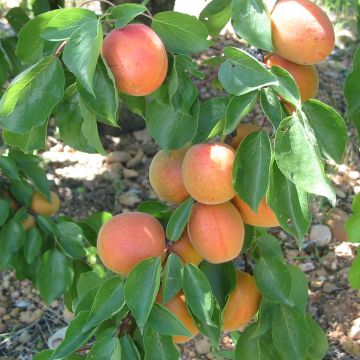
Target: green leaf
<point>273,279</point>
<point>4,210</point>
<point>165,322</point>
<point>320,344</point>
<point>85,302</point>
<point>298,157</point>
<point>290,204</point>
<point>9,44</point>
<point>136,104</point>
<point>299,288</point>
<point>125,13</point>
<point>356,204</point>
<point>269,246</point>
<point>198,293</point>
<point>71,239</point>
<point>252,161</point>
<point>32,245</point>
<point>9,168</point>
<point>141,289</point>
<point>181,33</point>
<point>272,106</point>
<point>129,350</point>
<point>4,67</point>
<point>106,348</point>
<point>171,281</point>
<point>40,6</point>
<point>216,15</point>
<point>88,281</point>
<point>354,272</point>
<point>22,191</point>
<point>82,51</point>
<point>55,275</point>
<point>329,128</point>
<point>108,301</point>
<point>241,73</point>
<point>290,333</point>
<point>251,21</point>
<point>155,208</point>
<point>43,355</point>
<point>46,224</point>
<point>17,18</point>
<point>249,237</point>
<point>31,96</point>
<point>352,227</point>
<point>179,220</point>
<point>264,323</point>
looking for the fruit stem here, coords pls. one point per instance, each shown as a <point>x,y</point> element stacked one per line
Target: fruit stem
<point>60,48</point>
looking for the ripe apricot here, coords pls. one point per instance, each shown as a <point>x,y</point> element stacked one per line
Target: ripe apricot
<point>305,76</point>
<point>165,176</point>
<point>264,217</point>
<point>41,205</point>
<point>216,231</point>
<point>28,222</point>
<point>243,302</point>
<point>137,58</point>
<point>178,307</point>
<point>207,172</point>
<point>185,250</point>
<point>242,131</point>
<point>126,239</point>
<point>301,31</point>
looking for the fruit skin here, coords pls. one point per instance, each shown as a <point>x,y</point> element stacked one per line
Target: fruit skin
<point>265,217</point>
<point>243,303</point>
<point>184,249</point>
<point>178,307</point>
<point>28,223</point>
<point>207,173</point>
<point>305,76</point>
<point>165,176</point>
<point>242,131</point>
<point>137,58</point>
<point>301,31</point>
<point>128,238</point>
<point>40,204</point>
<point>216,231</point>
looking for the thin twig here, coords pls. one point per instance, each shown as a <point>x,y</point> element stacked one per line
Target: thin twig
<point>60,48</point>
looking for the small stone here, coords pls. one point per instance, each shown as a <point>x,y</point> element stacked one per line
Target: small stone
<point>3,328</point>
<point>344,250</point>
<point>306,267</point>
<point>2,311</point>
<point>55,304</point>
<point>68,315</point>
<point>342,169</point>
<point>28,317</point>
<point>353,175</point>
<point>357,189</point>
<point>352,347</point>
<point>14,312</point>
<point>113,170</point>
<point>118,156</point>
<point>22,304</point>
<point>340,193</point>
<point>317,283</point>
<point>329,287</point>
<point>321,235</point>
<point>202,346</point>
<point>336,219</point>
<point>130,173</point>
<point>354,332</point>
<point>136,160</point>
<point>142,136</point>
<point>25,337</point>
<point>6,317</point>
<point>129,198</point>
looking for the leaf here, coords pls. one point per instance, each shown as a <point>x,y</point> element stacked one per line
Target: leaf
<point>165,322</point>
<point>106,348</point>
<point>82,51</point>
<point>298,157</point>
<point>129,350</point>
<point>290,204</point>
<point>354,273</point>
<point>4,210</point>
<point>251,21</point>
<point>136,104</point>
<point>55,275</point>
<point>198,293</point>
<point>320,344</point>
<point>299,288</point>
<point>216,15</point>
<point>171,281</point>
<point>21,191</point>
<point>329,128</point>
<point>8,45</point>
<point>32,245</point>
<point>141,289</point>
<point>241,73</point>
<point>9,168</point>
<point>4,67</point>
<point>252,161</point>
<point>273,280</point>
<point>356,204</point>
<point>272,106</point>
<point>40,6</point>
<point>269,247</point>
<point>71,239</point>
<point>31,96</point>
<point>352,227</point>
<point>179,219</point>
<point>181,33</point>
<point>290,333</point>
<point>17,18</point>
<point>155,208</point>
<point>125,13</point>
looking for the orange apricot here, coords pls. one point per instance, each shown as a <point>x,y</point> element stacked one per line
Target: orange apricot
<point>242,131</point>
<point>165,176</point>
<point>207,172</point>
<point>137,58</point>
<point>301,31</point>
<point>216,231</point>
<point>41,205</point>
<point>184,249</point>
<point>243,303</point>
<point>28,222</point>
<point>128,238</point>
<point>264,217</point>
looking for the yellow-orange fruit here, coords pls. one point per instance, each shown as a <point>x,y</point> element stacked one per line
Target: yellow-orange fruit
<point>165,176</point>
<point>137,58</point>
<point>305,76</point>
<point>41,205</point>
<point>265,217</point>
<point>301,31</point>
<point>216,231</point>
<point>185,250</point>
<point>242,131</point>
<point>207,173</point>
<point>28,223</point>
<point>178,307</point>
<point>126,239</point>
<point>243,303</point>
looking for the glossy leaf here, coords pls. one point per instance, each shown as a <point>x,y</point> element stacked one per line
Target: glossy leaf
<point>4,67</point>
<point>9,168</point>
<point>4,210</point>
<point>354,272</point>
<point>32,245</point>
<point>216,15</point>
<point>171,282</point>
<point>320,344</point>
<point>155,208</point>
<point>71,239</point>
<point>17,18</point>
<point>129,350</point>
<point>179,220</point>
<point>12,237</point>
<point>125,13</point>
<point>352,228</point>
<point>269,246</point>
<point>272,107</point>
<point>106,348</point>
<point>299,288</point>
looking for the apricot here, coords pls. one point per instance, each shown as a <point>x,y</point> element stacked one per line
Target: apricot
<point>242,131</point>
<point>301,31</point>
<point>216,231</point>
<point>165,176</point>
<point>243,303</point>
<point>178,307</point>
<point>207,173</point>
<point>28,222</point>
<point>264,217</point>
<point>305,76</point>
<point>41,205</point>
<point>184,249</point>
<point>126,239</point>
<point>137,58</point>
